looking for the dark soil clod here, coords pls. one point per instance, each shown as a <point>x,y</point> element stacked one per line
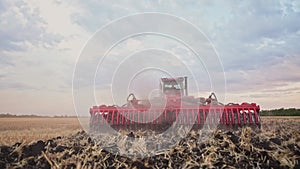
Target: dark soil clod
<point>276,141</point>
<point>34,149</point>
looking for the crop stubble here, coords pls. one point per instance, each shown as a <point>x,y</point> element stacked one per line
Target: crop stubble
<point>26,129</point>
<point>277,145</point>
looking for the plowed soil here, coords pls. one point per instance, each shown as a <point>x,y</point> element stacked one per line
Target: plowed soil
<point>276,145</point>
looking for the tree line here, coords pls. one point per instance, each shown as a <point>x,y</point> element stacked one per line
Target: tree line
<point>13,115</point>
<point>281,112</point>
<point>33,115</point>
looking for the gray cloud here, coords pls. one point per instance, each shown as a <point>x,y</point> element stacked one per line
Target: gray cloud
<point>21,25</point>
<point>16,85</point>
<point>279,72</point>
<point>258,41</point>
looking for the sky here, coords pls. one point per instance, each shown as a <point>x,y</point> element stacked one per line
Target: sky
<point>41,42</point>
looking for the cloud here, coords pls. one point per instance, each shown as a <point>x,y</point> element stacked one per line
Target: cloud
<point>20,24</point>
<point>38,50</point>
<point>257,41</point>
<point>254,32</point>
<point>279,70</point>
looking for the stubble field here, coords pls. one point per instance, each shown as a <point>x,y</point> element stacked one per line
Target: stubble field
<point>28,129</point>
<point>60,143</point>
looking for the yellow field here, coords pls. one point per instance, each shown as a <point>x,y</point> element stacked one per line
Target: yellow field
<point>27,129</point>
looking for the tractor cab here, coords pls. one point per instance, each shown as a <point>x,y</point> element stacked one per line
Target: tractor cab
<point>174,86</point>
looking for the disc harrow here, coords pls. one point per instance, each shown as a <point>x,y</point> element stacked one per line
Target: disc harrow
<point>179,109</point>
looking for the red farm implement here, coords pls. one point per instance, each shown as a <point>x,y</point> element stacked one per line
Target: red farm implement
<point>175,106</point>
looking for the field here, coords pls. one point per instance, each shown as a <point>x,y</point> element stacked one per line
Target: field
<point>59,143</point>
<point>27,129</point>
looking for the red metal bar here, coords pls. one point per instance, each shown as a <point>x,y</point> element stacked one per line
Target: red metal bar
<point>123,114</point>
<point>102,117</point>
<point>152,117</point>
<point>187,114</point>
<point>156,117</point>
<point>232,116</point>
<point>123,117</point>
<point>226,113</point>
<point>118,114</point>
<point>223,115</point>
<point>220,120</point>
<point>143,117</point>
<point>128,116</point>
<point>215,116</point>
<point>138,116</point>
<point>213,119</point>
<point>204,116</point>
<point>199,118</point>
<point>133,117</point>
<point>221,112</point>
<point>176,115</point>
<point>256,117</point>
<point>161,118</point>
<point>131,120</point>
<point>250,115</point>
<point>149,119</point>
<point>244,116</point>
<point>208,116</point>
<point>193,112</point>
<point>172,113</point>
<point>238,116</point>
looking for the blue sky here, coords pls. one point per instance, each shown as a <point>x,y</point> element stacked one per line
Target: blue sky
<point>257,42</point>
